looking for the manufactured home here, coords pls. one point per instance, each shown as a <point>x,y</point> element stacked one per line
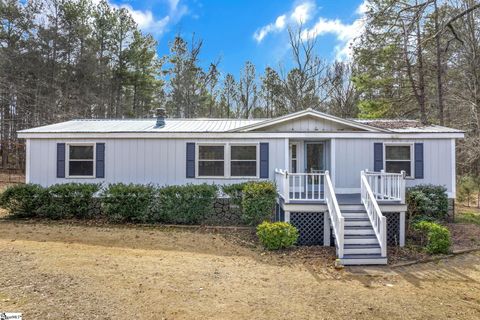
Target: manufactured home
<point>340,181</point>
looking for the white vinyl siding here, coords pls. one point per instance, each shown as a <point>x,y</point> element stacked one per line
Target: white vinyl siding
<point>156,161</point>
<point>354,155</point>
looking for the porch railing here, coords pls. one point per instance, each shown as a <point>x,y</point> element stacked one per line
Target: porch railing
<point>300,186</point>
<point>386,186</point>
<point>378,220</point>
<point>338,221</point>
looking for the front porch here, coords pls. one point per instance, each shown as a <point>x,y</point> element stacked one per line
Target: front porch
<point>357,221</point>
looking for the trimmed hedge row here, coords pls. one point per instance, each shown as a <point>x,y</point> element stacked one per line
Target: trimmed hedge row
<point>186,204</point>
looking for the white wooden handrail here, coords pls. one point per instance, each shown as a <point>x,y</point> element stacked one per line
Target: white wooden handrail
<point>378,220</point>
<point>306,187</point>
<point>387,186</point>
<point>338,221</point>
<point>281,180</point>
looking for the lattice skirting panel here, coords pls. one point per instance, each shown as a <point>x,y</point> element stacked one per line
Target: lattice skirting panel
<point>310,226</point>
<point>393,228</point>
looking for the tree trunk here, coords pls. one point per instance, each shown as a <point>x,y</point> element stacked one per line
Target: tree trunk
<point>439,68</point>
<point>421,76</point>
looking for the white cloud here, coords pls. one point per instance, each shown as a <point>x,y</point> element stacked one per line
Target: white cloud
<point>147,22</point>
<point>303,12</point>
<point>346,33</point>
<point>276,26</point>
<point>300,14</point>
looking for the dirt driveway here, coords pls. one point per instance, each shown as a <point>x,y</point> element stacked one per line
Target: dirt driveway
<point>58,271</point>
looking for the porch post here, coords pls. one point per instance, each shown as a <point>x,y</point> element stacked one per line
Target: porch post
<point>402,187</point>
<point>286,188</point>
<point>332,162</point>
<point>402,229</point>
<point>326,229</point>
<point>286,184</point>
<point>382,183</point>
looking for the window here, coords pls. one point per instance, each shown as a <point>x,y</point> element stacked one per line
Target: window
<point>81,161</point>
<point>293,157</point>
<point>398,157</point>
<point>243,161</point>
<point>211,161</point>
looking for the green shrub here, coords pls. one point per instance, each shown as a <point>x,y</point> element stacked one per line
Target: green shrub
<point>128,202</point>
<point>258,201</point>
<point>438,239</point>
<point>277,235</point>
<point>235,192</point>
<point>428,201</point>
<point>22,200</point>
<point>69,200</point>
<point>187,204</point>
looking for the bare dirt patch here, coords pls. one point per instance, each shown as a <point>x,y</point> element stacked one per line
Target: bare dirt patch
<point>63,271</point>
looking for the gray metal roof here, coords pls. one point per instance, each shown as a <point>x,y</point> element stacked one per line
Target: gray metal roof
<point>406,126</point>
<point>223,125</point>
<point>143,125</point>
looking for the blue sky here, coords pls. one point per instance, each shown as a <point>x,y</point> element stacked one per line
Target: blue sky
<point>235,31</point>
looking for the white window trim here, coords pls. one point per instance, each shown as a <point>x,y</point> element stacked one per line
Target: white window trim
<point>197,159</point>
<point>257,160</point>
<point>412,156</point>
<point>290,150</point>
<point>67,160</point>
<point>227,160</point>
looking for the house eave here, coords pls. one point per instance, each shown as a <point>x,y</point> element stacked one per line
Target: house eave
<point>303,113</point>
<point>237,135</point>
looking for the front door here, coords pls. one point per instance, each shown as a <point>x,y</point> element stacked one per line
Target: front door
<point>314,163</point>
<point>314,157</point>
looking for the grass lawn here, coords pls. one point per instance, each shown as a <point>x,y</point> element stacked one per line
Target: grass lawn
<point>468,215</point>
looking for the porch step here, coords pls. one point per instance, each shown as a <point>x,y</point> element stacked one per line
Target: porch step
<point>362,221</point>
<point>351,207</point>
<point>360,239</point>
<point>359,230</point>
<point>355,215</point>
<point>354,211</point>
<point>372,248</point>
<point>363,259</point>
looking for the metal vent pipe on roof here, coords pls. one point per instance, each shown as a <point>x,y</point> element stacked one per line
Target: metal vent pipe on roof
<point>161,115</point>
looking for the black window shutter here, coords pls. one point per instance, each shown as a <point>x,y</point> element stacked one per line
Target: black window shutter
<point>264,171</point>
<point>377,157</point>
<point>190,170</point>
<point>100,160</point>
<point>60,160</point>
<point>418,160</point>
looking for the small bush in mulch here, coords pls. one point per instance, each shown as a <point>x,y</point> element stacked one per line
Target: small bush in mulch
<point>435,237</point>
<point>277,235</point>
